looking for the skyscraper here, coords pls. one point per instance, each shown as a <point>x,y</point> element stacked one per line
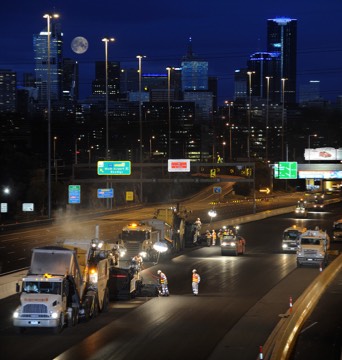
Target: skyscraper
<point>194,72</point>
<point>282,39</point>
<point>40,47</point>
<point>8,83</point>
<point>99,84</point>
<point>263,64</point>
<point>70,78</point>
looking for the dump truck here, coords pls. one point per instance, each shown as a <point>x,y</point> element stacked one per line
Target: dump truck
<point>290,238</point>
<point>313,248</point>
<point>140,238</point>
<point>64,283</point>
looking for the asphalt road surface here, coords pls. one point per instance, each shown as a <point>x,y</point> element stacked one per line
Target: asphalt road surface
<point>239,303</point>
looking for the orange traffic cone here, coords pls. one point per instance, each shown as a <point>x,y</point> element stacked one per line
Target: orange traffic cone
<point>261,356</point>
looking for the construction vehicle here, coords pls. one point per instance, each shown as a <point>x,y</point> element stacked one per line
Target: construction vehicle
<point>231,242</point>
<point>177,219</point>
<point>64,283</point>
<point>313,248</point>
<point>139,238</point>
<point>291,237</point>
<point>337,230</point>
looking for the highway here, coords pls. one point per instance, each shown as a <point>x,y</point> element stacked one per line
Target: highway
<point>240,301</point>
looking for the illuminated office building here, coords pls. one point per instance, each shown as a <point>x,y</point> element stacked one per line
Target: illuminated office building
<point>194,72</point>
<point>99,84</point>
<point>8,82</point>
<point>40,47</point>
<point>263,64</point>
<point>282,39</point>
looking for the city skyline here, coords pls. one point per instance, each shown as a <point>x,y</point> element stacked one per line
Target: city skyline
<point>162,35</point>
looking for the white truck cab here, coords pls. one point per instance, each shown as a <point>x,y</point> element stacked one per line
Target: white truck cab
<point>313,248</point>
<point>290,238</point>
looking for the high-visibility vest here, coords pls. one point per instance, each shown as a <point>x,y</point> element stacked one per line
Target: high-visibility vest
<point>163,278</point>
<point>195,278</point>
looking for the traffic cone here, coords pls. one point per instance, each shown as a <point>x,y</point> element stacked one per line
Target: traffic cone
<point>261,356</point>
<point>291,304</point>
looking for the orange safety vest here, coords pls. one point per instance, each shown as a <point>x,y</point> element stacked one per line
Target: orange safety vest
<point>163,278</point>
<point>195,278</point>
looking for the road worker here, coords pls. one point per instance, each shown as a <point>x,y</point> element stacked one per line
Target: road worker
<point>197,230</point>
<point>163,283</point>
<point>213,237</point>
<point>196,279</point>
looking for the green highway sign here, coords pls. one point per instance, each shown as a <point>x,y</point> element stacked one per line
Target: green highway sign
<point>113,168</point>
<point>285,170</point>
<point>74,194</point>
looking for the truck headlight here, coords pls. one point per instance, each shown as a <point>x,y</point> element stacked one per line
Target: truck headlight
<point>16,314</point>
<point>284,246</point>
<point>54,315</point>
<point>143,254</point>
<point>232,243</point>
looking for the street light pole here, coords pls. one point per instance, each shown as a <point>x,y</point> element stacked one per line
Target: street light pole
<point>283,118</point>
<point>76,150</point>
<point>249,73</point>
<point>267,115</point>
<point>89,155</point>
<point>169,107</point>
<point>106,40</point>
<point>140,57</point>
<point>151,146</point>
<point>309,145</point>
<point>54,156</point>
<point>48,18</point>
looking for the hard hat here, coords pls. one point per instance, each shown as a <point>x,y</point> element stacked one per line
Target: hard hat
<point>194,270</point>
<point>159,272</point>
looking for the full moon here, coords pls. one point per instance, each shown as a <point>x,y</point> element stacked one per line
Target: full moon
<point>79,45</point>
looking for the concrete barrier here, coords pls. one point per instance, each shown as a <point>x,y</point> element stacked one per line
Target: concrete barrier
<point>281,341</point>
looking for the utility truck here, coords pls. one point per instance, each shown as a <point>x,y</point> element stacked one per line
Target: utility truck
<point>337,230</point>
<point>313,248</point>
<point>64,283</point>
<point>290,238</point>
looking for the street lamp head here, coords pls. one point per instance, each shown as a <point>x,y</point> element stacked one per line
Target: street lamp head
<point>107,39</point>
<point>50,16</point>
<point>140,56</point>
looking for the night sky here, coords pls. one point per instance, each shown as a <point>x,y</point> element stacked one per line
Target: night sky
<point>223,32</point>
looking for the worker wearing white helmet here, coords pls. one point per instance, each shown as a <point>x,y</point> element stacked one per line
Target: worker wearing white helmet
<point>163,282</point>
<point>196,279</point>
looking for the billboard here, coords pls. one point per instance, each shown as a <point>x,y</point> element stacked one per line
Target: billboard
<point>323,154</point>
<point>179,165</point>
<point>320,174</point>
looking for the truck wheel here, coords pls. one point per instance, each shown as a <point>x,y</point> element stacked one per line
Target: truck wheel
<point>59,327</point>
<point>105,301</point>
<point>94,309</point>
<point>74,316</point>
